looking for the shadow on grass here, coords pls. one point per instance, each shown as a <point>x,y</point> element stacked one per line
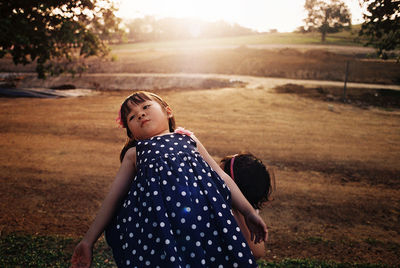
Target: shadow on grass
<point>22,250</point>
<point>386,99</point>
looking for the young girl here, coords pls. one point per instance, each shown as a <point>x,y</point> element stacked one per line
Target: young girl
<point>169,205</point>
<point>256,182</point>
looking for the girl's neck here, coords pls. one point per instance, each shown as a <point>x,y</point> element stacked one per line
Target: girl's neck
<point>158,135</point>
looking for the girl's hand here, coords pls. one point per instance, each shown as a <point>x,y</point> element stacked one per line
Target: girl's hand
<point>258,229</point>
<point>82,256</point>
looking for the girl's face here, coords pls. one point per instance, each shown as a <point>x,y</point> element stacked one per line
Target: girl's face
<point>148,119</point>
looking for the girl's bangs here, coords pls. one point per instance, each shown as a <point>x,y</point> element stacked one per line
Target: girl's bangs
<point>136,99</point>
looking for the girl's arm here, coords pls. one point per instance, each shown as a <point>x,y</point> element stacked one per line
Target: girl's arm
<point>257,227</point>
<point>82,256</point>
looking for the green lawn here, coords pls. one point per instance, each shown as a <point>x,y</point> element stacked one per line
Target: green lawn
<point>345,38</point>
<point>20,250</point>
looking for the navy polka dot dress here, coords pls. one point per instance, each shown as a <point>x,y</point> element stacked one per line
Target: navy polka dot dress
<point>177,212</point>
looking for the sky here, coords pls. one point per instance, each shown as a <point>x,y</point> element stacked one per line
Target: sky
<point>259,15</point>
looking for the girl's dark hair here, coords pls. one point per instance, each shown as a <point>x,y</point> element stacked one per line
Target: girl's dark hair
<point>137,98</point>
<point>254,180</point>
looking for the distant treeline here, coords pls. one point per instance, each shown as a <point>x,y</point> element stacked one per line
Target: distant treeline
<point>152,29</point>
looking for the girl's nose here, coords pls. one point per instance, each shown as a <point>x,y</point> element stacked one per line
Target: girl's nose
<point>141,116</point>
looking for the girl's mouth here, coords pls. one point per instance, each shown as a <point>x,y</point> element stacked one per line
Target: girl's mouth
<point>144,122</point>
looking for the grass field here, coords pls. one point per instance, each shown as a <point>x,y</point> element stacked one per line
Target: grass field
<point>19,250</point>
<point>345,38</point>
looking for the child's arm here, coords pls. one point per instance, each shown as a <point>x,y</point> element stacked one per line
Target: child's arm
<point>257,227</point>
<point>257,249</point>
<point>82,256</point>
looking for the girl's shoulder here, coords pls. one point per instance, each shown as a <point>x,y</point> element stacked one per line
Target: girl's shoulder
<point>131,154</point>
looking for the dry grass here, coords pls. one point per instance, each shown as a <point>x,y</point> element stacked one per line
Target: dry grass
<point>337,165</point>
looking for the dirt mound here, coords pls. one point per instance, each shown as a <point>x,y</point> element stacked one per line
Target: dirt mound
<point>129,82</point>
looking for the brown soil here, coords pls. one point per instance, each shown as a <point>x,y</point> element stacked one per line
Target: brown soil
<point>337,165</point>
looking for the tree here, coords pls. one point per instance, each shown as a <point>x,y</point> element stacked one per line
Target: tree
<point>55,34</point>
<point>381,25</point>
<point>327,17</point>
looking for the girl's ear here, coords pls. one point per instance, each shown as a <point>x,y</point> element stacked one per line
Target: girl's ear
<point>169,112</point>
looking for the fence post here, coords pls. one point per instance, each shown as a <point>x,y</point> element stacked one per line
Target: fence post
<point>345,81</point>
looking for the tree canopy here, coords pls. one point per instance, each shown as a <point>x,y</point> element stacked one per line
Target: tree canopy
<point>326,17</point>
<point>382,25</point>
<point>55,33</point>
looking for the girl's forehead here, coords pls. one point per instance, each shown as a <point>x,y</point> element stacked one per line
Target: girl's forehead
<point>131,105</point>
<point>134,103</point>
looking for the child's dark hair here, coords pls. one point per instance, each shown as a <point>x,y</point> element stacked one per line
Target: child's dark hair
<point>252,177</point>
<point>137,98</point>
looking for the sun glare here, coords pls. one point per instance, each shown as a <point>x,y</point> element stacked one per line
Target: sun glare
<point>260,15</point>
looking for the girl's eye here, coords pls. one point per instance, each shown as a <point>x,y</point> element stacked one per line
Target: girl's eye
<point>130,118</point>
<point>146,106</point>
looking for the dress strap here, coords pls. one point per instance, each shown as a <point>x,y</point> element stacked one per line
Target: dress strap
<point>181,130</point>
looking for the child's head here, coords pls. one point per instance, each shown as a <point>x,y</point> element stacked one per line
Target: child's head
<point>136,99</point>
<point>132,103</point>
<point>252,177</point>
